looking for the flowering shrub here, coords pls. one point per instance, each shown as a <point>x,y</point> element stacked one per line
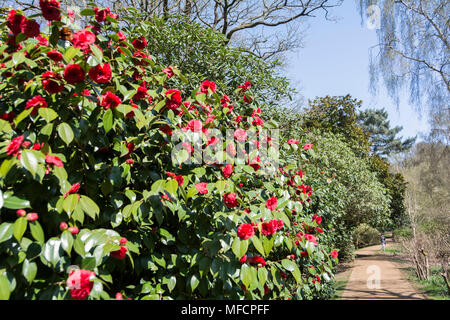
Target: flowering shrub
<point>87,117</point>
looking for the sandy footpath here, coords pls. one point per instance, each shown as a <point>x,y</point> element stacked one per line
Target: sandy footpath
<point>375,276</point>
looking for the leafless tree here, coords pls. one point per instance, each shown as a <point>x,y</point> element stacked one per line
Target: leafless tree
<point>413,50</point>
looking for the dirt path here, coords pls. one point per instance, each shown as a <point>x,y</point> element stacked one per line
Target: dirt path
<point>375,276</point>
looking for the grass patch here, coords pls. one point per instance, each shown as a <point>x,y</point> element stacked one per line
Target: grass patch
<point>395,250</point>
<point>435,287</point>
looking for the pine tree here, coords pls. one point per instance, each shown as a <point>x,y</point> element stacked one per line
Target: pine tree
<point>384,140</point>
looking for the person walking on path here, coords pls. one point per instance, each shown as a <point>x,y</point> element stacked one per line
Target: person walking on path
<point>383,242</point>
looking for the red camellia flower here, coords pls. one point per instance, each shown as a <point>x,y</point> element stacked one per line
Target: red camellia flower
<point>174,100</point>
<point>166,129</point>
<point>227,170</point>
<point>80,284</point>
<point>188,147</point>
<point>317,218</point>
<point>139,43</point>
<point>230,200</point>
<point>15,21</point>
<point>13,148</point>
<point>205,85</point>
<point>52,82</point>
<point>110,100</point>
<point>267,229</point>
<point>141,93</point>
<point>100,73</point>
<point>36,102</point>
<point>37,146</point>
<point>50,9</point>
<point>83,39</point>
<point>30,28</point>
<point>257,260</point>
<point>180,180</point>
<point>55,55</point>
<point>244,87</point>
<point>32,216</point>
<point>292,141</point>
<point>240,135</point>
<point>277,224</point>
<point>119,296</point>
<point>54,160</point>
<point>169,72</point>
<point>243,259</point>
<point>272,203</point>
<point>9,116</point>
<point>100,15</point>
<point>73,189</point>
<point>257,122</point>
<point>201,187</point>
<point>307,146</point>
<point>195,125</point>
<point>119,254</point>
<point>73,74</point>
<point>245,231</point>
<point>311,238</point>
<point>334,254</point>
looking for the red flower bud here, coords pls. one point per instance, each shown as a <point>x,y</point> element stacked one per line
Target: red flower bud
<point>63,226</point>
<point>32,216</point>
<point>74,230</point>
<point>21,212</point>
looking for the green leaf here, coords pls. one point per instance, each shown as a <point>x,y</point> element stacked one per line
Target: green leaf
<point>6,231</point>
<point>97,52</point>
<point>70,53</point>
<point>4,287</point>
<point>37,232</point>
<point>67,241</point>
<point>7,164</point>
<point>108,120</point>
<point>25,113</point>
<point>13,202</point>
<point>89,206</point>
<point>29,161</point>
<point>47,129</point>
<point>288,264</point>
<point>245,275</point>
<point>20,226</point>
<point>268,244</point>
<point>239,247</point>
<point>262,276</point>
<point>48,114</point>
<point>29,270</point>
<point>297,274</point>
<point>258,245</point>
<point>172,186</point>
<point>87,12</point>
<point>70,203</point>
<point>171,283</point>
<point>65,132</point>
<point>52,251</point>
<point>194,282</point>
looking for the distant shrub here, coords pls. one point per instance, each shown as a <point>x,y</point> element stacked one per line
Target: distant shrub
<point>365,235</point>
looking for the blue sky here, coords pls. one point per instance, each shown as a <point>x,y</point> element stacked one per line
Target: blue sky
<point>335,61</point>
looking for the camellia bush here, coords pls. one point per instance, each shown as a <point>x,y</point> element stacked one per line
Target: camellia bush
<point>100,200</point>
